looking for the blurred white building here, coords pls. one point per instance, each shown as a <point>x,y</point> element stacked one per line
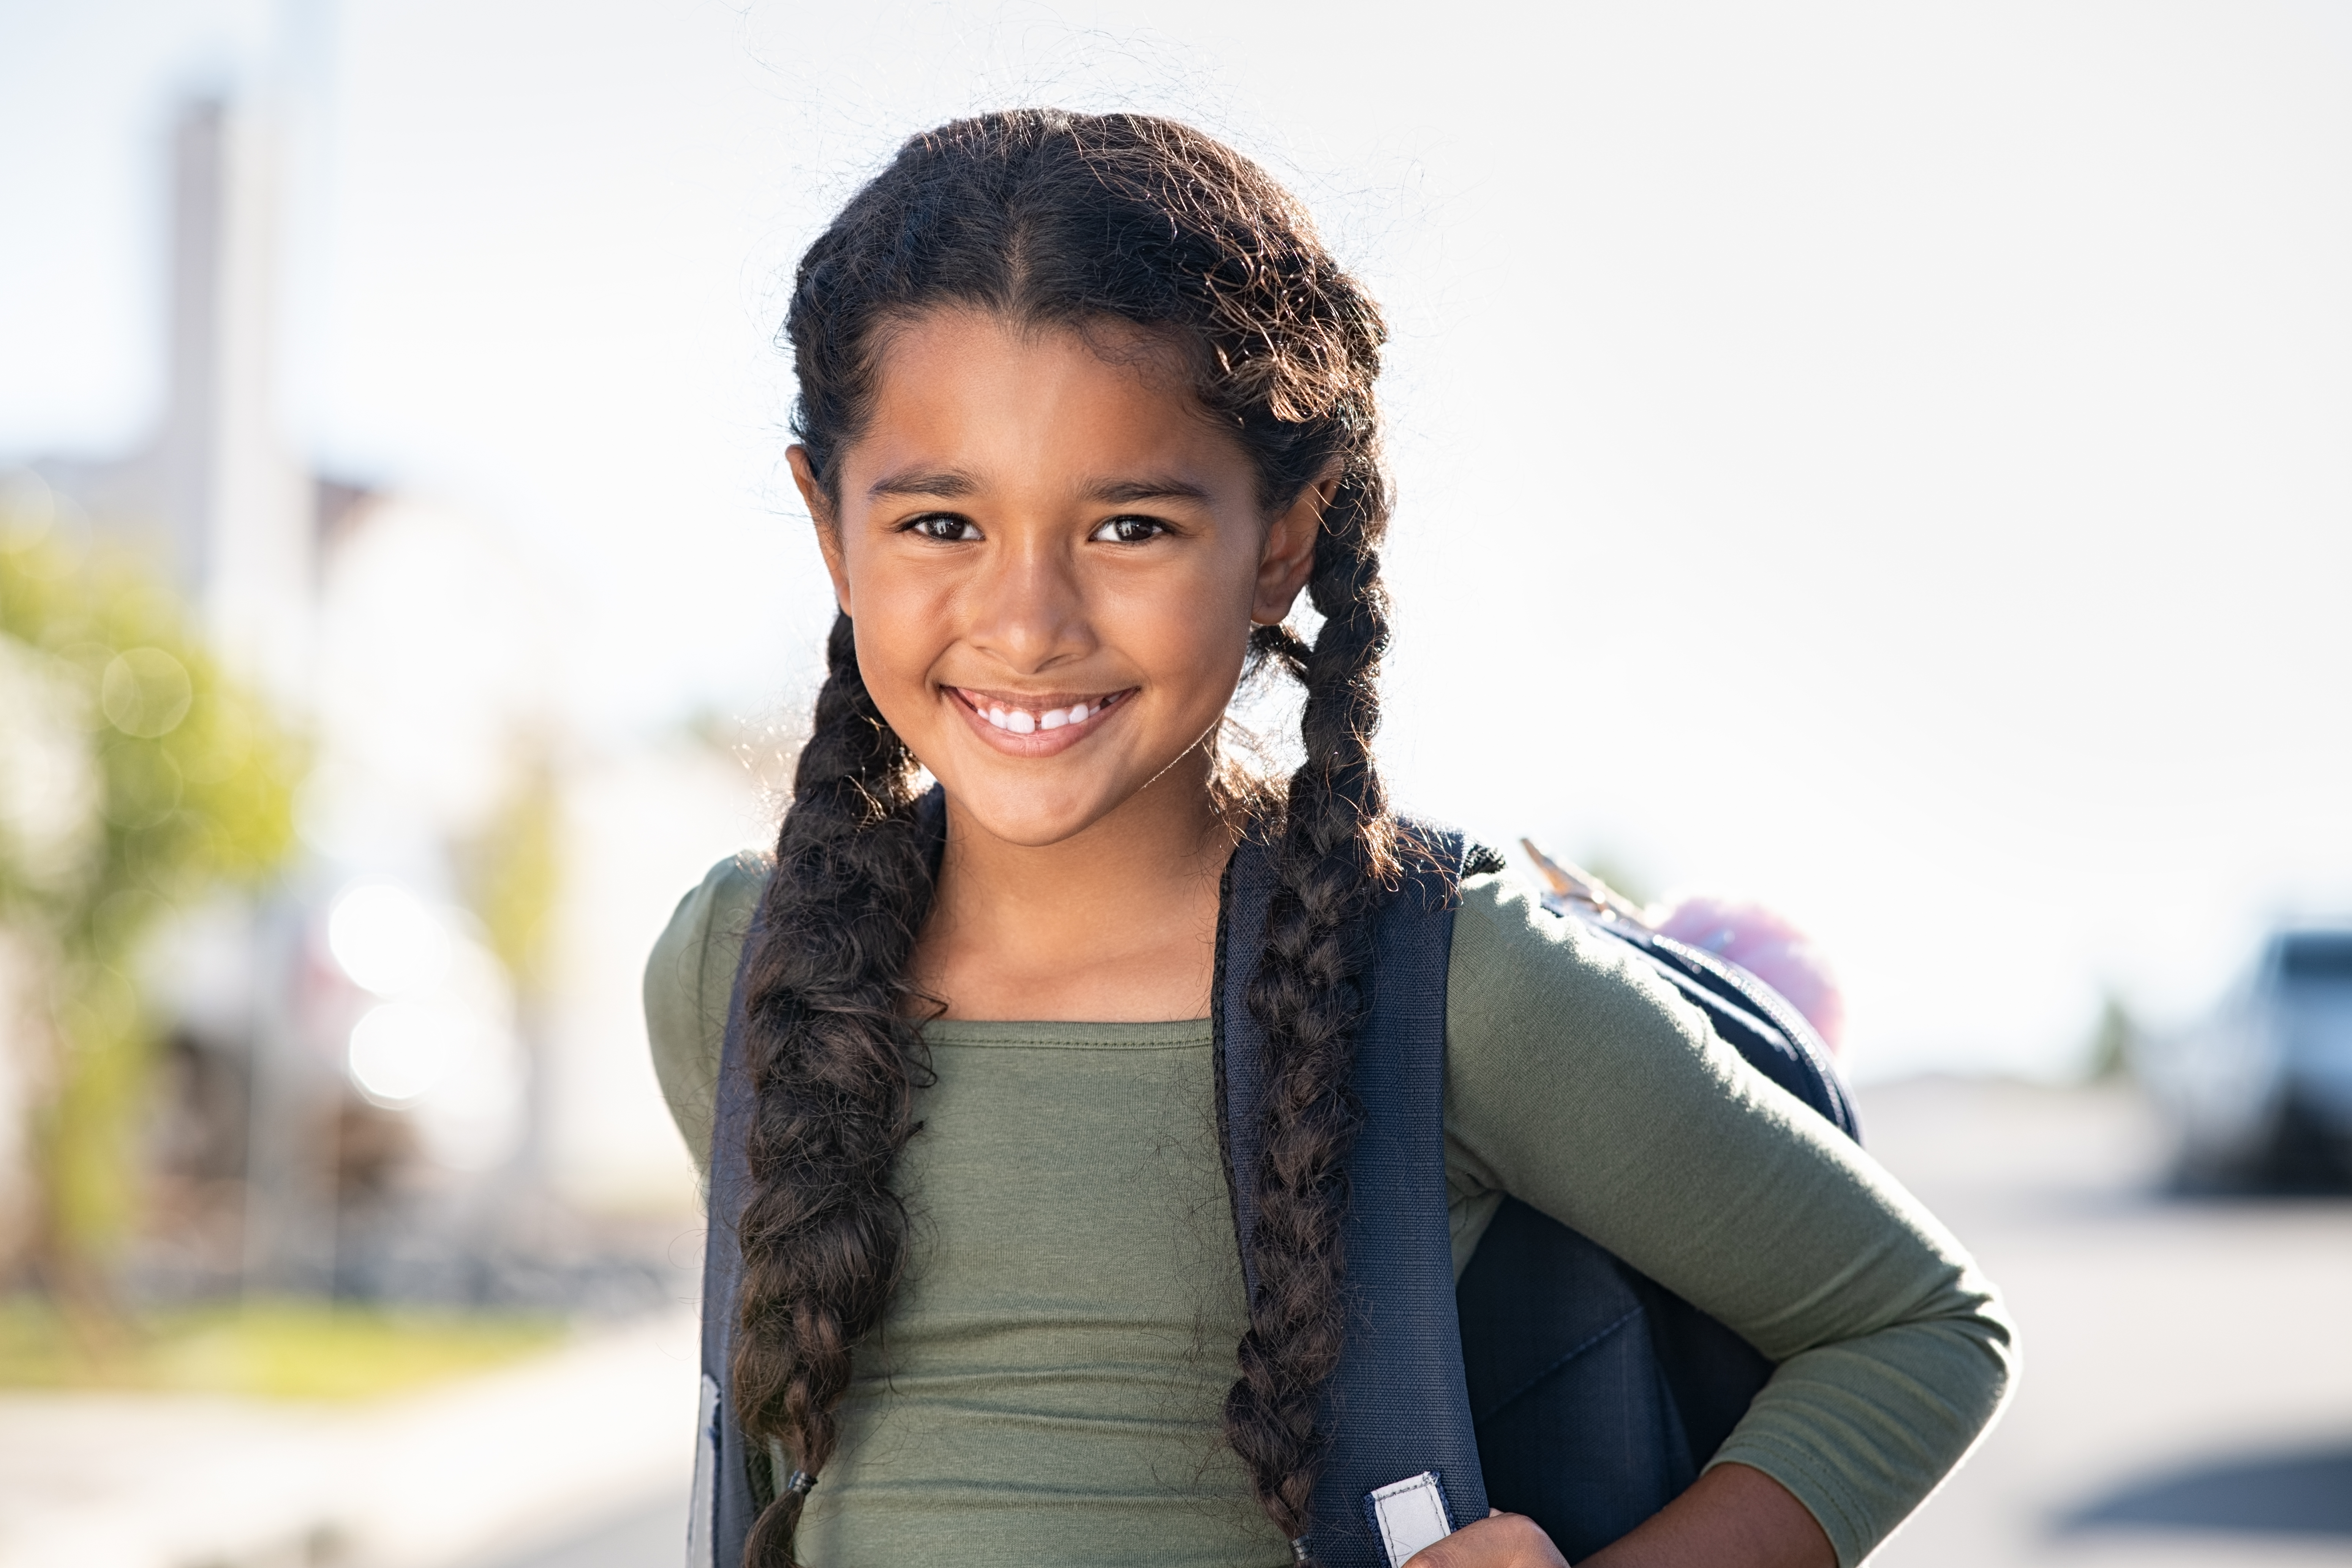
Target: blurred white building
<point>216,488</point>
<point>417,651</point>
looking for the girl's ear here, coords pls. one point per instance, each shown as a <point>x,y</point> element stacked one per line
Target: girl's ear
<point>828,528</point>
<point>1289,556</point>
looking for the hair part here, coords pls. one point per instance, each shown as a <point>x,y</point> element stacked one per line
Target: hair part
<point>1053,220</point>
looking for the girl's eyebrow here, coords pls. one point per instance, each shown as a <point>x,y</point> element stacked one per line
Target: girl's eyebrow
<point>948,484</point>
<point>951,484</point>
<point>1122,492</point>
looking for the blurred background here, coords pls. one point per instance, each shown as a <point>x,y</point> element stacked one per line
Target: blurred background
<point>1893,463</point>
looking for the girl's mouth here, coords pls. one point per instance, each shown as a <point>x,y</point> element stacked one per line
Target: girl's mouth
<point>1012,715</point>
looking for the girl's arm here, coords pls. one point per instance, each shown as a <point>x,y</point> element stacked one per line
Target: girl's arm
<point>690,981</point>
<point>1732,1517</point>
<point>1583,1086</point>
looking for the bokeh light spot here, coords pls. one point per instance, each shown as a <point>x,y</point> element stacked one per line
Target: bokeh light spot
<point>387,940</point>
<point>145,692</point>
<point>400,1051</point>
<point>27,510</point>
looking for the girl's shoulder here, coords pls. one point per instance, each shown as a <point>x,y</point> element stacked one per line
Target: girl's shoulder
<point>1546,1016</point>
<point>1514,953</point>
<point>689,979</point>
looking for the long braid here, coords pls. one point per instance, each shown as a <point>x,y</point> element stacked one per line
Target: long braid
<point>835,1062</point>
<point>1054,219</point>
<point>1334,864</point>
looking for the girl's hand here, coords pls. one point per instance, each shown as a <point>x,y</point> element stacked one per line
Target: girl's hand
<point>1499,1541</point>
<point>1734,1515</point>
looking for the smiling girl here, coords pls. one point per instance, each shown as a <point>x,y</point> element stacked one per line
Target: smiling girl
<point>1084,406</point>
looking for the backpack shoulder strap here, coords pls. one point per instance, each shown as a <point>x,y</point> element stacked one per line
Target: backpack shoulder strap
<point>1398,1407</point>
<point>732,1481</point>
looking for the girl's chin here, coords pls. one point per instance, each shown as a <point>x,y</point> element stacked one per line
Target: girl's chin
<point>1020,819</point>
<point>1035,807</point>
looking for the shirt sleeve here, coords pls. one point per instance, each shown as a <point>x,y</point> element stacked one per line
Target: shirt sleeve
<point>690,981</point>
<point>1587,1088</point>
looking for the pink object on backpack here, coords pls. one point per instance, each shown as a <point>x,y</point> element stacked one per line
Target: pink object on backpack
<point>1767,946</point>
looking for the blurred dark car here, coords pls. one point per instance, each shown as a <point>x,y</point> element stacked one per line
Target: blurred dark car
<point>2261,1091</point>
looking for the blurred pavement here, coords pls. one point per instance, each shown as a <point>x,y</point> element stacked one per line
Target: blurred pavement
<point>2187,1400</point>
<point>456,1476</point>
<point>651,1536</point>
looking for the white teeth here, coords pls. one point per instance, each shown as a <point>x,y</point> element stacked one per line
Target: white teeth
<point>1021,722</point>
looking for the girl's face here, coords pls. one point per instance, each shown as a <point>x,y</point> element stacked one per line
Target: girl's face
<point>1052,560</point>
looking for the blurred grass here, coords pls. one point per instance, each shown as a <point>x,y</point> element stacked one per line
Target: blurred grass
<point>269,1350</point>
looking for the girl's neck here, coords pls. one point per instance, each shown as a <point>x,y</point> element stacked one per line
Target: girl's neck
<point>1118,924</point>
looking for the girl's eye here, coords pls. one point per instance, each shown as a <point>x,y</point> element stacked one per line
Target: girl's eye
<point>944,526</point>
<point>1128,530</point>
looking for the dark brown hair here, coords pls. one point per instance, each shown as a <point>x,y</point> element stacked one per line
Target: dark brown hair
<point>1070,220</point>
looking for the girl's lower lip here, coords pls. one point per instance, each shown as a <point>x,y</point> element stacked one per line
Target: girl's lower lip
<point>1039,742</point>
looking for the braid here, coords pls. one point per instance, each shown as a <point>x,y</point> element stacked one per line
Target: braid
<point>1056,219</point>
<point>1333,865</point>
<point>835,1063</point>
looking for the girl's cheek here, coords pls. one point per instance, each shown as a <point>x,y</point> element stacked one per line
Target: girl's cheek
<point>895,665</point>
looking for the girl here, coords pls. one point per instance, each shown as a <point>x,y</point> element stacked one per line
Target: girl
<point>1084,407</point>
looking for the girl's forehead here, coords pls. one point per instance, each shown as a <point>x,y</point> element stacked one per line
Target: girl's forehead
<point>970,391</point>
<point>960,353</point>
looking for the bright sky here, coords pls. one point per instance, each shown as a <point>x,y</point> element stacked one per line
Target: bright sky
<point>1893,461</point>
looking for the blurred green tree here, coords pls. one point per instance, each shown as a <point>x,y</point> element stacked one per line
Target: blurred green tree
<point>1623,879</point>
<point>134,777</point>
<point>511,872</point>
<point>2112,1039</point>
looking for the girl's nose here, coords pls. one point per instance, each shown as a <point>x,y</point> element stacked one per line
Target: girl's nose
<point>1029,610</point>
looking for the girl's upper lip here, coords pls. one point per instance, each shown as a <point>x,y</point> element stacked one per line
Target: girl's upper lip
<point>1040,702</point>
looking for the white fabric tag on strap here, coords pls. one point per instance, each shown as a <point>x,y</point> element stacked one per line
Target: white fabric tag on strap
<point>1411,1514</point>
<point>701,1519</point>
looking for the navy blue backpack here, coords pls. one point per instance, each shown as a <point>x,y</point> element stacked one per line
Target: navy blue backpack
<point>1554,1381</point>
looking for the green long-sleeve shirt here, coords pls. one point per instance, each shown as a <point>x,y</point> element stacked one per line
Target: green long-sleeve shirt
<point>1046,1388</point>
